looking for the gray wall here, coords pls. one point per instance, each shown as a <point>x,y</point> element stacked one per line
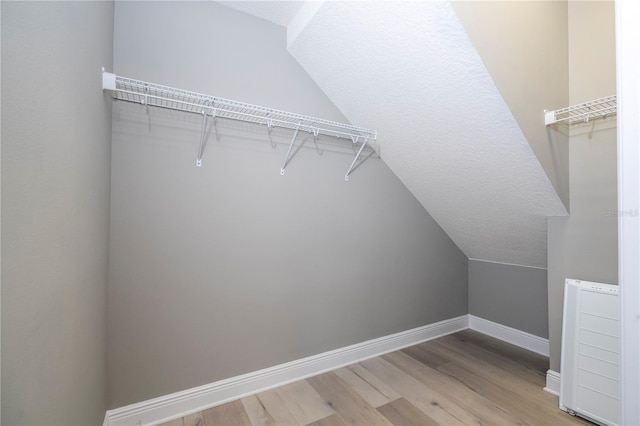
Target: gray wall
<point>523,44</point>
<point>511,295</point>
<point>585,245</point>
<point>228,268</point>
<point>56,132</point>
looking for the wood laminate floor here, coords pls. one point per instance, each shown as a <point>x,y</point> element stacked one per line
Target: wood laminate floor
<point>465,378</point>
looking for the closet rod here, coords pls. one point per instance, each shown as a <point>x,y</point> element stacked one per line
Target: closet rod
<point>582,113</point>
<point>145,93</point>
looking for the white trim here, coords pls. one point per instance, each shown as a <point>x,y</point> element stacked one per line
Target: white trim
<point>628,86</point>
<point>553,383</point>
<point>510,335</point>
<point>175,405</point>
<point>509,264</point>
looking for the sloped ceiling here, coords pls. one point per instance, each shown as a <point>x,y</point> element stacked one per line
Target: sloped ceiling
<point>409,70</point>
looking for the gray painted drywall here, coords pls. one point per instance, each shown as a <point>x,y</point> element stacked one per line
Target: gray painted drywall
<point>56,140</point>
<point>585,245</point>
<point>523,44</point>
<point>228,268</point>
<point>0,219</point>
<point>511,295</point>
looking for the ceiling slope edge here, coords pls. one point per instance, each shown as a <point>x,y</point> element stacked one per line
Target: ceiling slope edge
<point>411,71</point>
<point>298,23</point>
<point>275,11</point>
<point>537,76</point>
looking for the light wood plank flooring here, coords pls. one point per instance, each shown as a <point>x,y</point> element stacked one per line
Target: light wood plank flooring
<point>463,379</point>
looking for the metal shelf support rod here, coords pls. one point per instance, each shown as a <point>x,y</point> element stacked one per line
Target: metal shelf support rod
<point>346,175</point>
<point>202,136</point>
<point>293,139</point>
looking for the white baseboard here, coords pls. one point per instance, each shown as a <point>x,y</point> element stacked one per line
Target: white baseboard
<point>175,405</point>
<point>553,382</point>
<point>511,335</point>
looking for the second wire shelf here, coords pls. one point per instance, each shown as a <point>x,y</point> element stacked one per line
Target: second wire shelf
<point>583,113</point>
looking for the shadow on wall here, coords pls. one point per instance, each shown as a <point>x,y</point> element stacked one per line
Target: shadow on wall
<point>167,127</point>
<point>558,138</point>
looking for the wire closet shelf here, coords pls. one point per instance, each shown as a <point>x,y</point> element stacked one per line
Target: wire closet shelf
<point>583,113</point>
<point>151,94</point>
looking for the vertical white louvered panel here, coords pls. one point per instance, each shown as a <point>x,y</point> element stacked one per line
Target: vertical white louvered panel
<point>590,372</point>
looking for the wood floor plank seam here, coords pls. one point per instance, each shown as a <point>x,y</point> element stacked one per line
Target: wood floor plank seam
<point>487,411</point>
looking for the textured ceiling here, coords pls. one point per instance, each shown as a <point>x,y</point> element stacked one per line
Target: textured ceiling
<point>409,70</point>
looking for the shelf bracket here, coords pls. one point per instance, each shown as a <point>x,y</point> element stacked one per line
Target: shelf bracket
<point>293,139</point>
<point>346,175</point>
<point>145,101</point>
<point>202,134</point>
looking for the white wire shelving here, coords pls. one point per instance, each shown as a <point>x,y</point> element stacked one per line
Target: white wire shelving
<point>583,113</point>
<point>151,94</point>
